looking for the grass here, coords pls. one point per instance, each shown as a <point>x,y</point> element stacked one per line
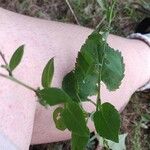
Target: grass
<point>89,14</point>
<point>136,141</point>
<point>138,138</point>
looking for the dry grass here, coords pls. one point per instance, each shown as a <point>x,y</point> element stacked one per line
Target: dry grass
<point>89,14</point>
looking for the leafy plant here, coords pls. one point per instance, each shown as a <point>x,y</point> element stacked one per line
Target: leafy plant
<point>96,62</point>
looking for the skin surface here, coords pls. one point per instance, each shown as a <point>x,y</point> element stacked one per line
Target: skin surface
<point>23,120</point>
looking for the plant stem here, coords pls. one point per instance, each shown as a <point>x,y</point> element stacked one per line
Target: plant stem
<point>99,80</point>
<point>6,64</point>
<point>3,57</point>
<point>98,27</point>
<point>91,102</point>
<point>111,14</point>
<point>17,81</point>
<point>101,65</point>
<point>93,138</point>
<point>99,90</point>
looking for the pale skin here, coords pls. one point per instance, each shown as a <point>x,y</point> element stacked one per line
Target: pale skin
<point>23,120</point>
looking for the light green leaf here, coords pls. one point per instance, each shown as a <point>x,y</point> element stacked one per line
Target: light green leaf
<point>57,117</point>
<point>70,87</point>
<point>47,74</point>
<point>74,119</point>
<point>16,58</point>
<point>112,69</point>
<point>79,142</point>
<point>107,122</point>
<point>116,146</point>
<point>53,96</point>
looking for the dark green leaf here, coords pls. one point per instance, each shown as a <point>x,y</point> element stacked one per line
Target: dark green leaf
<point>74,119</point>
<point>107,122</point>
<point>79,142</point>
<point>113,68</point>
<point>16,58</point>
<point>86,72</point>
<point>97,58</point>
<point>70,87</point>
<point>53,96</point>
<point>57,117</point>
<point>47,74</point>
<point>86,82</point>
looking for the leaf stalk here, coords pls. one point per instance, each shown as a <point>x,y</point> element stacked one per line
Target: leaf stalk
<point>18,82</point>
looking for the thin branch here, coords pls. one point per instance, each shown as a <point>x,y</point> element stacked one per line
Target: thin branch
<point>3,57</point>
<point>93,138</point>
<point>6,64</point>
<point>98,27</point>
<point>72,11</point>
<point>91,102</point>
<point>17,81</point>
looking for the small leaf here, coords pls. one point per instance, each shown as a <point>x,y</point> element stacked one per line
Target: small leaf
<point>79,142</point>
<point>47,74</point>
<point>16,58</point>
<point>74,119</point>
<point>107,122</point>
<point>57,117</point>
<point>116,146</point>
<point>53,96</point>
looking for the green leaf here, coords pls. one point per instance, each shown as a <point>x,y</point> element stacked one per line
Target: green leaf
<point>74,119</point>
<point>47,74</point>
<point>57,117</point>
<point>86,68</point>
<point>53,96</point>
<point>16,58</point>
<point>116,146</point>
<point>107,122</point>
<point>70,87</point>
<point>79,142</point>
<point>112,69</point>
<point>97,58</point>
